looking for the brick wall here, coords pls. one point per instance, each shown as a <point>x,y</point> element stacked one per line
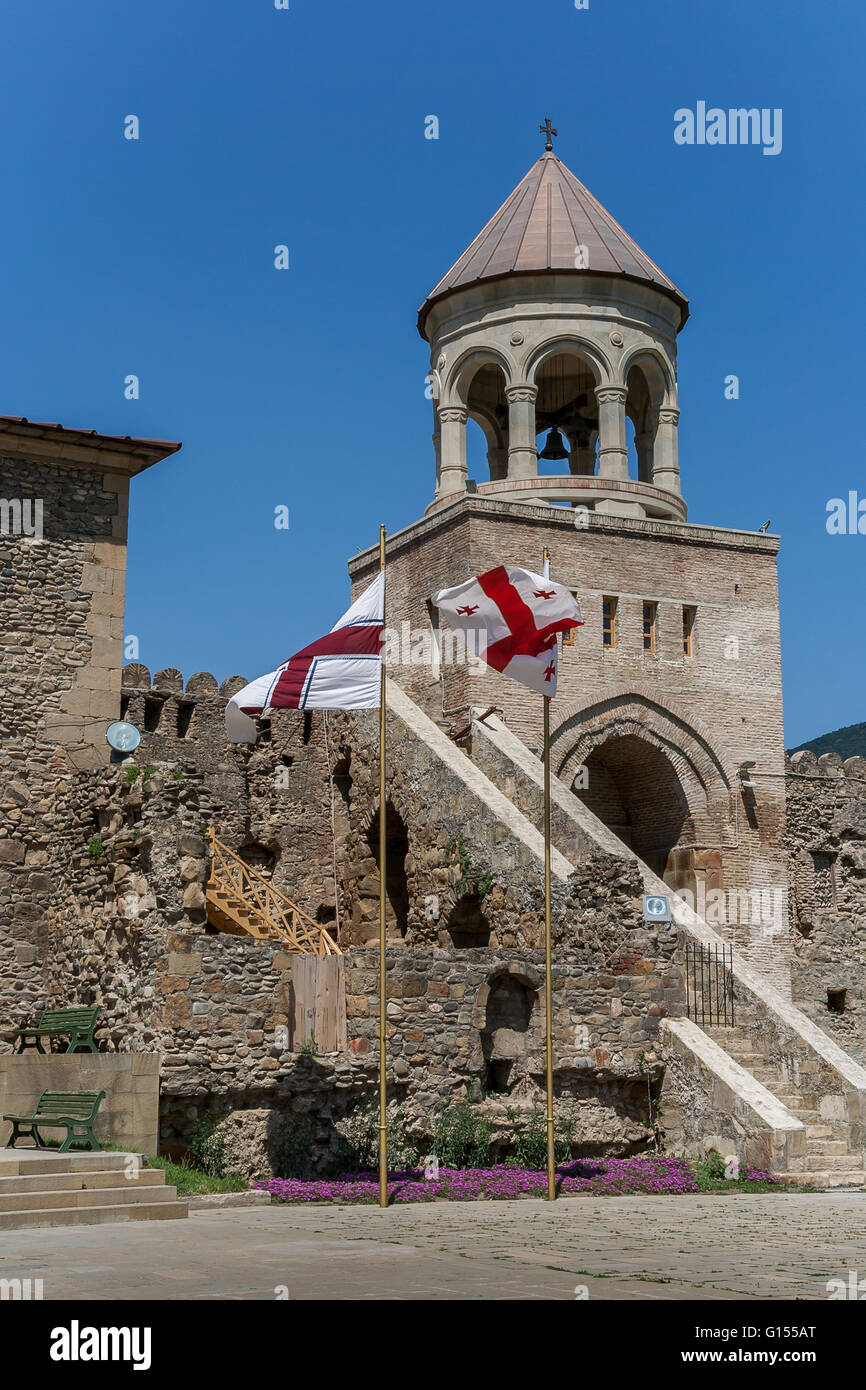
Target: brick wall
<point>707,714</point>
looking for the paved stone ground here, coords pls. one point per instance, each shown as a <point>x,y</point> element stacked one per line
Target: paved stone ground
<point>742,1247</point>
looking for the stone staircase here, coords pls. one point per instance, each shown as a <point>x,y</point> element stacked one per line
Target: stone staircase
<point>39,1188</point>
<point>808,1107</point>
<point>830,1161</point>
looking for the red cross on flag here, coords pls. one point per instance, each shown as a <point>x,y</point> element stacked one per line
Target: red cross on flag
<point>513,616</point>
<point>338,671</point>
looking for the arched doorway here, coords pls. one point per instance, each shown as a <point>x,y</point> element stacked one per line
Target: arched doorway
<point>396,886</point>
<point>467,925</point>
<point>633,787</point>
<point>505,1035</point>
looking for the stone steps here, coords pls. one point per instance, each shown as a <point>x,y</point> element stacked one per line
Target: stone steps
<point>839,1178</point>
<point>47,1199</point>
<point>76,1182</point>
<point>92,1216</point>
<point>801,1105</point>
<point>27,1161</point>
<point>833,1163</point>
<point>829,1160</point>
<point>826,1146</point>
<point>41,1188</point>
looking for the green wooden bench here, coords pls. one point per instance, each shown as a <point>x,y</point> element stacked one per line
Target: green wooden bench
<point>73,1111</point>
<point>76,1023</point>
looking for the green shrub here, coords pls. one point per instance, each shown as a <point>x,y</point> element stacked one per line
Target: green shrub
<point>359,1149</point>
<point>207,1149</point>
<point>530,1137</point>
<point>462,1137</point>
<point>295,1158</point>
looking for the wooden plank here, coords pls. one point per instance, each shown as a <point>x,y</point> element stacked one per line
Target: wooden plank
<point>319,1002</point>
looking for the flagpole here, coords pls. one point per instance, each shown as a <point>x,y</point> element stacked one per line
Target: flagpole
<point>548,981</point>
<point>383,848</point>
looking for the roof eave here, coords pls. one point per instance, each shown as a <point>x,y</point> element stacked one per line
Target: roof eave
<point>20,437</point>
<point>671,293</point>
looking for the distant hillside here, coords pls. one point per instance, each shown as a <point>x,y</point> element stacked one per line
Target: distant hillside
<point>846,742</point>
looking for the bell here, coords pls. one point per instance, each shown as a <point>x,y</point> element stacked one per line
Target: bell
<point>554,447</point>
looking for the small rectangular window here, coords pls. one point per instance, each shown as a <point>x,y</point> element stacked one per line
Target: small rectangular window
<point>608,621</point>
<point>688,631</point>
<point>436,648</point>
<point>568,637</point>
<point>649,626</point>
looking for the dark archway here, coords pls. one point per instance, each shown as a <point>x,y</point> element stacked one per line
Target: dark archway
<point>507,1019</point>
<point>634,788</point>
<point>467,924</point>
<point>260,858</point>
<point>396,885</point>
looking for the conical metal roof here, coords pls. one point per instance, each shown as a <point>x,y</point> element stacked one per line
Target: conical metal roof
<point>538,228</point>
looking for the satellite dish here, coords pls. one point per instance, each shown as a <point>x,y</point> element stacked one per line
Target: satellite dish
<point>123,737</point>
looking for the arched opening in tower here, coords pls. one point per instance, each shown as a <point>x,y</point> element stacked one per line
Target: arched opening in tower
<point>487,424</point>
<point>644,390</point>
<point>396,885</point>
<point>634,788</point>
<point>566,416</point>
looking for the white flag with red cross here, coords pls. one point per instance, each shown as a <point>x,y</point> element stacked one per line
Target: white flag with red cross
<point>338,671</point>
<point>513,617</point>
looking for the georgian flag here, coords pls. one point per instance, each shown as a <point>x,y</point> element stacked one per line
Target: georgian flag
<point>515,615</point>
<point>340,671</point>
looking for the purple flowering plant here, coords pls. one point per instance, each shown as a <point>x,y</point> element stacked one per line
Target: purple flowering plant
<point>649,1174</point>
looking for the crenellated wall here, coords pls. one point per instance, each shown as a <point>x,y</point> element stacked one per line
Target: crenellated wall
<point>127,929</point>
<point>121,907</point>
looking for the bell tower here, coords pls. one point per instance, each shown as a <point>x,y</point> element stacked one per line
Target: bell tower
<point>556,336</point>
<point>554,322</point>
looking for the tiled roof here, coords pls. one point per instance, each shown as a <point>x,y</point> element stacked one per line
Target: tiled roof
<point>538,228</point>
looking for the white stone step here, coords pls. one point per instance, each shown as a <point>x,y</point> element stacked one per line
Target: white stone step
<point>74,1182</point>
<point>92,1216</point>
<point>854,1178</point>
<point>829,1147</point>
<point>47,1199</point>
<point>828,1163</point>
<point>31,1160</point>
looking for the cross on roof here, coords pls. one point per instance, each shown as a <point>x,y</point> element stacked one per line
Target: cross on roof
<point>548,132</point>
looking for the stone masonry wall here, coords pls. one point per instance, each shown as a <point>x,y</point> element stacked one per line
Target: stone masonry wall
<point>61,614</point>
<point>826,841</point>
<point>126,927</point>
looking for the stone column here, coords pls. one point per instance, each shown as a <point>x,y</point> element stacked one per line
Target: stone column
<point>452,468</point>
<point>437,449</point>
<point>666,467</point>
<point>581,460</point>
<point>612,449</point>
<point>497,462</point>
<point>643,443</point>
<point>522,451</point>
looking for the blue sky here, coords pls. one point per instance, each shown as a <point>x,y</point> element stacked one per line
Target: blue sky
<point>305,388</point>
